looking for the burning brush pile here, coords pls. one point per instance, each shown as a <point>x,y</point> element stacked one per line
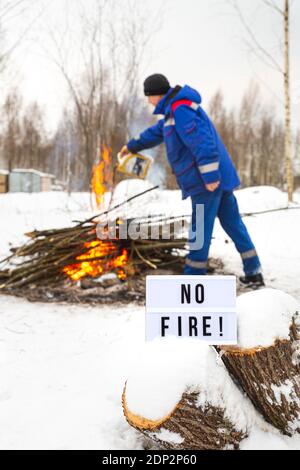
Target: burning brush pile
<point>87,263</point>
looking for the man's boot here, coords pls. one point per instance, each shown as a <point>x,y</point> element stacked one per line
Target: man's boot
<point>253,282</point>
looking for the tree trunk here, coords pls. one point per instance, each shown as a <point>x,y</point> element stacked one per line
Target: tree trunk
<point>271,379</point>
<point>288,131</point>
<point>188,427</point>
<point>69,156</point>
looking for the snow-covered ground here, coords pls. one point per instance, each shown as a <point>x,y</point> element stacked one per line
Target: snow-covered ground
<point>63,367</point>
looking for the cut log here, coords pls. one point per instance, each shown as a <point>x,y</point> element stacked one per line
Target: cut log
<point>180,396</point>
<point>188,427</point>
<point>270,375</point>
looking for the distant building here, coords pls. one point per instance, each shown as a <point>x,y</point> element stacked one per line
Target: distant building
<point>29,181</point>
<point>3,181</point>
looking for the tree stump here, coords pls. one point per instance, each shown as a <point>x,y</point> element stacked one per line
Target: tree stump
<point>270,376</point>
<point>188,427</point>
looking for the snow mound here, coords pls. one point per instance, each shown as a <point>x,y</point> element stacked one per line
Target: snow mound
<point>154,203</point>
<point>44,203</point>
<point>168,368</point>
<point>261,198</point>
<point>264,316</point>
<point>269,438</point>
<point>129,188</point>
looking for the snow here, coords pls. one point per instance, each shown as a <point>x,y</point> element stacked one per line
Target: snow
<point>167,436</point>
<point>261,198</point>
<point>30,170</point>
<point>129,188</point>
<point>167,369</point>
<point>264,316</point>
<point>25,212</point>
<point>63,367</point>
<point>286,390</point>
<point>269,440</point>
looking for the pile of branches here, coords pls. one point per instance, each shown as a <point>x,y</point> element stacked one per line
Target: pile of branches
<point>43,261</point>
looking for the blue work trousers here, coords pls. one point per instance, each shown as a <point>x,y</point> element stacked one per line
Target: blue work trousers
<point>221,204</point>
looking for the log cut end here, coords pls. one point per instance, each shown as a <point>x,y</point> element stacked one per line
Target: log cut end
<point>188,427</point>
<point>179,407</point>
<point>138,422</point>
<point>268,373</point>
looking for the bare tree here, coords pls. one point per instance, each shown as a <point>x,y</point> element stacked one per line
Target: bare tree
<point>227,126</point>
<point>10,11</point>
<point>297,154</point>
<point>254,137</point>
<point>24,141</point>
<point>108,42</point>
<point>11,134</point>
<point>282,67</point>
<point>35,145</point>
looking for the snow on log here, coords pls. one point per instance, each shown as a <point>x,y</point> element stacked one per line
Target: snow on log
<point>181,398</point>
<point>266,363</point>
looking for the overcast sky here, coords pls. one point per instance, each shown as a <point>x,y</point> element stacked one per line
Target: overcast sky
<point>200,43</point>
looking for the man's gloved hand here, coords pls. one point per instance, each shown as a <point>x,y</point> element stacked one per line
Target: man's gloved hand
<point>124,151</point>
<point>213,186</point>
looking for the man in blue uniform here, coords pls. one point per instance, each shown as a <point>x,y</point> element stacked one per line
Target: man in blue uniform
<point>203,169</point>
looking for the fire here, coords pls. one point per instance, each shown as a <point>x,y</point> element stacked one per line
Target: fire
<point>102,179</point>
<point>100,257</point>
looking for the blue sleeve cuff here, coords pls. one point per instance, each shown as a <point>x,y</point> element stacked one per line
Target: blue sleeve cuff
<point>133,146</point>
<point>211,177</point>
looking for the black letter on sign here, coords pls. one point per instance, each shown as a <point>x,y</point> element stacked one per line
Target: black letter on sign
<point>193,326</point>
<point>180,326</point>
<point>164,327</point>
<point>206,326</point>
<point>185,294</point>
<point>199,294</point>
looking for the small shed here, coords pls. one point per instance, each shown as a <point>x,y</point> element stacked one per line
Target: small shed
<point>46,181</point>
<point>29,181</point>
<point>4,181</point>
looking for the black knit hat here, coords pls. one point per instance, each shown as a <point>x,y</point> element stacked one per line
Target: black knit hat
<point>156,85</point>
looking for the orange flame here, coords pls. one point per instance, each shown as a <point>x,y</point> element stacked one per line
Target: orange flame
<point>100,257</point>
<point>102,178</point>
